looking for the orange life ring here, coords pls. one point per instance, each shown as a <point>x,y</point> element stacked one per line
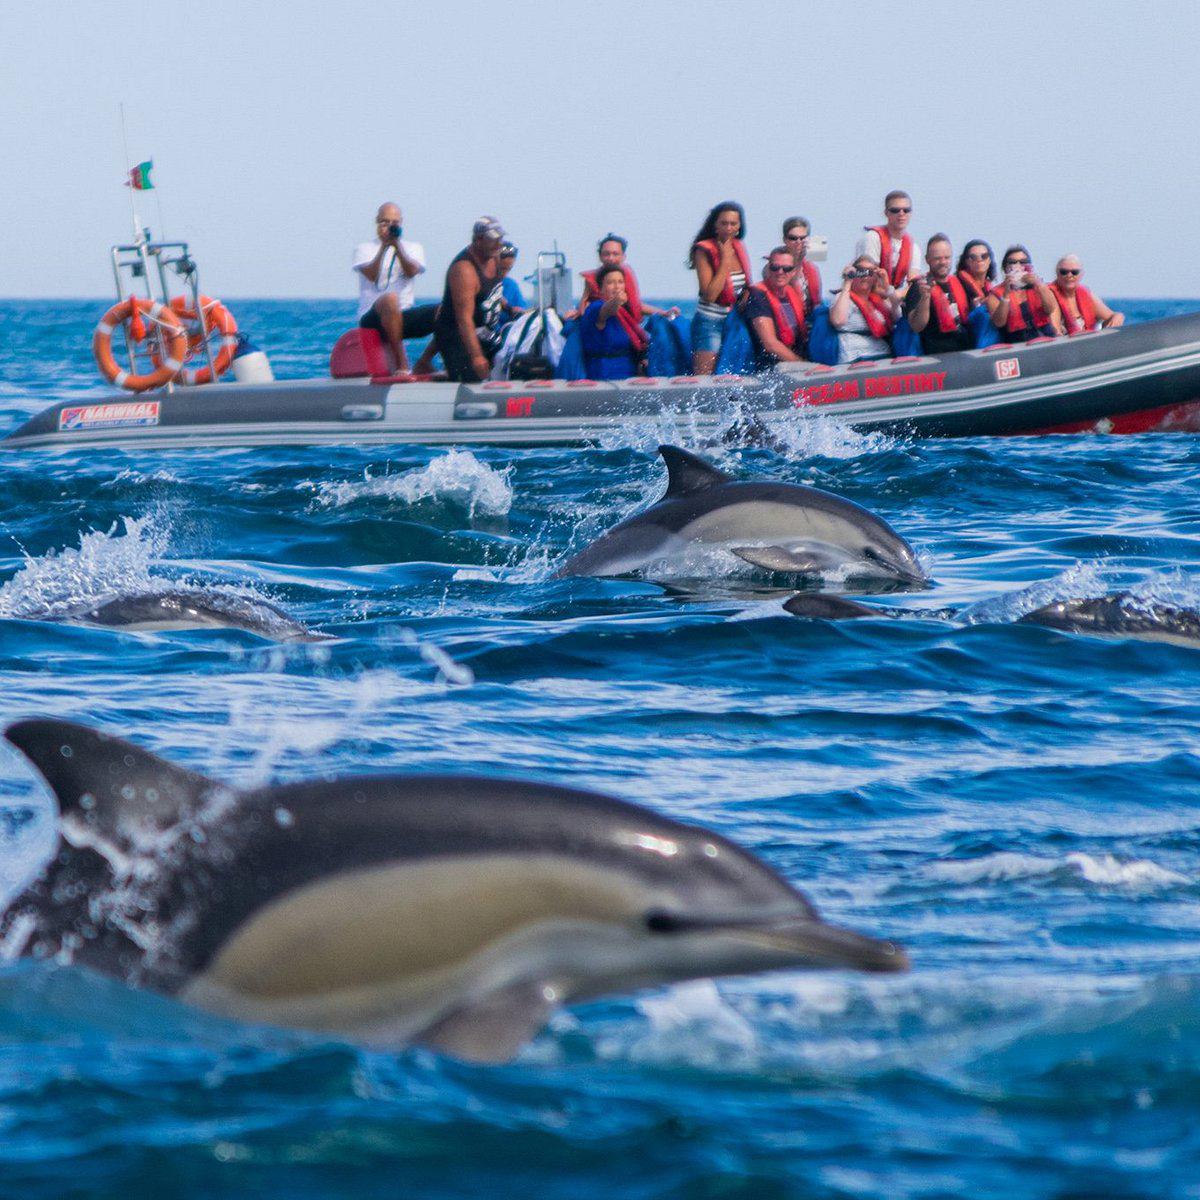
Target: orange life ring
<point>134,310</point>
<point>216,317</point>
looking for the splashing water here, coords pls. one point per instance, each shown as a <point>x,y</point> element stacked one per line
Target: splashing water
<point>106,563</point>
<point>457,478</point>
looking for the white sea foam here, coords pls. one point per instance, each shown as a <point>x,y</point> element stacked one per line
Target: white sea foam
<point>457,478</point>
<point>1106,870</point>
<point>106,563</point>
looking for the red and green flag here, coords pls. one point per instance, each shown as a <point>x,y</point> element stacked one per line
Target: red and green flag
<point>139,177</point>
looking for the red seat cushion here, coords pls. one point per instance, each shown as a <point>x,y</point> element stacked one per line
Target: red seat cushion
<point>360,352</point>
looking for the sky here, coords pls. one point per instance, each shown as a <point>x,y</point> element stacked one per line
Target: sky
<point>276,129</point>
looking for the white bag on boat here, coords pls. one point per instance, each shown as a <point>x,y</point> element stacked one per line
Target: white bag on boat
<point>531,333</point>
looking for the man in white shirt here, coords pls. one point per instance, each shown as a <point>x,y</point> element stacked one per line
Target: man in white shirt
<point>386,269</point>
<point>893,242</point>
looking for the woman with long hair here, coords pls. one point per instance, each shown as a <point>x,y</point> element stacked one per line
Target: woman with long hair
<point>723,272</point>
<point>976,270</point>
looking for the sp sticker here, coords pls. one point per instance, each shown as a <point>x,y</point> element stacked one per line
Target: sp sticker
<point>1008,368</point>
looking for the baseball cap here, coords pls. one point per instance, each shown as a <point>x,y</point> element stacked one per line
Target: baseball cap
<point>488,227</point>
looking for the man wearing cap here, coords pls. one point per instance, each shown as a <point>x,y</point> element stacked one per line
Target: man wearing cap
<point>386,269</point>
<point>513,302</point>
<point>472,305</point>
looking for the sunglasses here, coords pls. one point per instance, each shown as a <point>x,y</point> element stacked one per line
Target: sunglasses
<point>1016,262</point>
<point>780,267</point>
<point>899,209</point>
<point>1070,271</point>
<point>978,257</point>
<point>797,237</point>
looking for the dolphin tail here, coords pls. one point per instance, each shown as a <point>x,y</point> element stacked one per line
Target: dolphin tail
<point>120,790</point>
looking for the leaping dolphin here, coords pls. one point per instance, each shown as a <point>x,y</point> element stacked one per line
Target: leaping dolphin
<point>191,608</point>
<point>453,911</point>
<point>780,527</point>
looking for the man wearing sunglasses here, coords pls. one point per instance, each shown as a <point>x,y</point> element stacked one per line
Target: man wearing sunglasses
<point>1081,309</point>
<point>775,313</point>
<point>796,231</point>
<point>936,305</point>
<point>891,245</point>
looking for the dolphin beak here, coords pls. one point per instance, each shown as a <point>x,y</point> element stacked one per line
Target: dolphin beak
<point>817,944</point>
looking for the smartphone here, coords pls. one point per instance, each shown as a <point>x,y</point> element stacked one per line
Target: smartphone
<point>817,249</point>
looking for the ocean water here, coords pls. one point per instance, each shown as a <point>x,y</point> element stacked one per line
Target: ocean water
<point>1019,807</point>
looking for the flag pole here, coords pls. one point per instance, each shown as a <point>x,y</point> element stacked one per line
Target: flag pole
<point>137,233</point>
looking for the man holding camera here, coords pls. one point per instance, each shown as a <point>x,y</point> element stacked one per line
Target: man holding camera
<point>386,269</point>
<point>936,305</point>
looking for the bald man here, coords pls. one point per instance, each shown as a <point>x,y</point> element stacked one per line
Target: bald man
<point>1081,309</point>
<point>386,269</point>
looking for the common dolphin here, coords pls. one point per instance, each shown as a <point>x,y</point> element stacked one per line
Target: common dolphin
<point>1117,615</point>
<point>191,608</point>
<point>780,527</point>
<point>1120,614</point>
<point>821,606</point>
<point>454,911</point>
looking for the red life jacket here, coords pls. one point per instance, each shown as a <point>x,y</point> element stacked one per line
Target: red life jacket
<point>727,297</point>
<point>812,285</point>
<point>637,335</point>
<point>876,314</point>
<point>976,292</point>
<point>898,274</point>
<point>1025,309</point>
<point>633,301</point>
<point>941,306</point>
<point>1086,320</point>
<point>785,333</point>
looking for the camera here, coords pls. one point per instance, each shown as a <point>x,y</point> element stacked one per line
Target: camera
<point>860,272</point>
<point>1016,275</point>
<point>394,229</point>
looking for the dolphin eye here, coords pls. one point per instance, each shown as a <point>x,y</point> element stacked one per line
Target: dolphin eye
<point>658,921</point>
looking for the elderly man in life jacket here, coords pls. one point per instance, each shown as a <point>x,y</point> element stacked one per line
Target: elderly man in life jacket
<point>936,305</point>
<point>1081,309</point>
<point>775,313</point>
<point>891,245</point>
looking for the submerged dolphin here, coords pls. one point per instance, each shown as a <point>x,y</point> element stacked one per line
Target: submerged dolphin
<point>192,608</point>
<point>778,526</point>
<point>1120,614</point>
<point>457,912</point>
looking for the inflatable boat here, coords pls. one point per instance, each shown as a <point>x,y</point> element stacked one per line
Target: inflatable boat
<point>1139,378</point>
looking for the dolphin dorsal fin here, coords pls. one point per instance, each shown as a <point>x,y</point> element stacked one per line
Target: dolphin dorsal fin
<point>688,473</point>
<point>120,790</point>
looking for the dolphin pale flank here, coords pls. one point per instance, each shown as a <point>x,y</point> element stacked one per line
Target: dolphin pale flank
<point>457,912</point>
<point>779,527</point>
<point>1120,614</point>
<point>191,608</point>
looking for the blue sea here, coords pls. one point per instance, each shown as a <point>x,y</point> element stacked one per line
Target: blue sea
<point>1019,807</point>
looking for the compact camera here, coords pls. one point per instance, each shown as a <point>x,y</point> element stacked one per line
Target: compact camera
<point>394,229</point>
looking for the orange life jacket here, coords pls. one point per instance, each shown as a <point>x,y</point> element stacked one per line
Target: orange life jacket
<point>1086,320</point>
<point>876,314</point>
<point>898,274</point>
<point>727,296</point>
<point>1025,309</point>
<point>974,290</point>
<point>941,306</point>
<point>785,332</point>
<point>637,335</point>
<point>633,301</point>
<point>812,285</point>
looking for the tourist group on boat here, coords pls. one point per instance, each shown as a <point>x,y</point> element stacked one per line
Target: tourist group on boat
<point>894,298</point>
